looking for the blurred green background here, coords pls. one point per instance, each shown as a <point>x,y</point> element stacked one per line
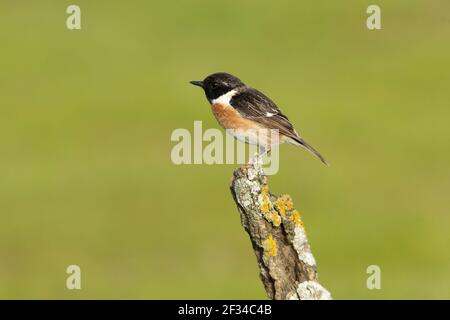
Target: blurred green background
<point>85,124</point>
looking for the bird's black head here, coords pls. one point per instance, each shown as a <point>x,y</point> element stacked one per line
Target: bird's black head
<point>218,84</point>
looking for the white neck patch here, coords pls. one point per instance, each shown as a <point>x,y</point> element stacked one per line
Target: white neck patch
<point>225,98</point>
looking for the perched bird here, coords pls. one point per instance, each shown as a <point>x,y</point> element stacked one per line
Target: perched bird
<point>248,114</point>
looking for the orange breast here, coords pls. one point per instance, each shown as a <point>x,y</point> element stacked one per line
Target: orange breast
<point>229,118</point>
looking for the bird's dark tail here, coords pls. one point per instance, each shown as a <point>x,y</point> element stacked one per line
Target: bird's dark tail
<point>302,143</point>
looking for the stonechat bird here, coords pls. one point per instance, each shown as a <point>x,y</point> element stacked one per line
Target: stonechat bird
<point>248,114</point>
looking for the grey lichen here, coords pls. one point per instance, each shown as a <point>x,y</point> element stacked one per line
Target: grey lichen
<point>302,247</point>
<point>310,290</point>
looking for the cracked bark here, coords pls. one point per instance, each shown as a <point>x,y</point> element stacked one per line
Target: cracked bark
<point>287,266</point>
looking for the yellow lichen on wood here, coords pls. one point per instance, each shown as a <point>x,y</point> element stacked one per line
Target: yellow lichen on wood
<point>270,247</point>
<point>284,204</point>
<point>267,207</point>
<point>275,218</point>
<point>295,217</point>
<point>266,204</point>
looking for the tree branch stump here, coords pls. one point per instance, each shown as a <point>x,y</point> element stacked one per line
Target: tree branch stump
<point>287,266</point>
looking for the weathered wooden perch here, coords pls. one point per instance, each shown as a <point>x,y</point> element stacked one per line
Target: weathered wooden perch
<point>287,266</point>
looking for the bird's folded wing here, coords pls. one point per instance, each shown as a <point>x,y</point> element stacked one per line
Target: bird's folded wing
<point>254,105</point>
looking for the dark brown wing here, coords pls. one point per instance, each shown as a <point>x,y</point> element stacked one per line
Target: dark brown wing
<point>254,105</point>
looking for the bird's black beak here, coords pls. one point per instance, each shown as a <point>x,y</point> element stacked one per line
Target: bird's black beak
<point>197,83</point>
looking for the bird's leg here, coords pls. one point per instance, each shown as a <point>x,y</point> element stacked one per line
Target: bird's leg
<point>254,158</point>
<point>264,145</point>
<point>262,151</point>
